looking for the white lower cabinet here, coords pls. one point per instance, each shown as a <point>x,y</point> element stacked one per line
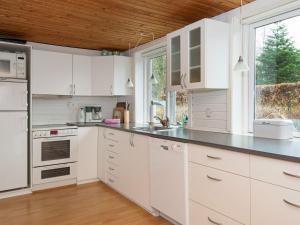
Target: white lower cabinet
<point>126,165</point>
<point>138,170</point>
<point>87,154</point>
<point>224,192</point>
<point>200,215</point>
<point>274,205</point>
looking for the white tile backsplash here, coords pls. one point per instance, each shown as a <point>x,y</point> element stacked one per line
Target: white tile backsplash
<point>209,111</point>
<point>60,110</point>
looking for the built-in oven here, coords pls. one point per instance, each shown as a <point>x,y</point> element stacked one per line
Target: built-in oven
<point>54,156</point>
<point>54,173</point>
<point>54,150</point>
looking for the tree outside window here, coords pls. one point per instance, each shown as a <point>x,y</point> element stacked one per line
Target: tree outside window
<point>278,70</point>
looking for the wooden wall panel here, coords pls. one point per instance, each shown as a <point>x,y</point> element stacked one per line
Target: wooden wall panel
<point>96,24</point>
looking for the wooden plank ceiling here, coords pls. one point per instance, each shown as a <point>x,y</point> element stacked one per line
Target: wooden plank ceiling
<point>97,24</point>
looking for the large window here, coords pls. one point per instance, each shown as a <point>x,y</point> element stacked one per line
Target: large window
<point>277,68</point>
<point>173,105</point>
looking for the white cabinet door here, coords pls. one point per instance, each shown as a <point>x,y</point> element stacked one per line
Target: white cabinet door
<point>139,170</point>
<point>102,75</point>
<point>274,205</point>
<point>193,78</point>
<point>100,166</point>
<point>51,73</point>
<point>87,154</point>
<point>176,60</point>
<point>122,72</point>
<point>82,75</point>
<point>110,75</point>
<point>13,96</point>
<point>13,151</point>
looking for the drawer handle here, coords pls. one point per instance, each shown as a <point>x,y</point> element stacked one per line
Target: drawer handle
<point>111,134</point>
<point>111,180</point>
<point>111,169</point>
<point>213,178</point>
<point>291,204</point>
<point>111,145</point>
<point>164,147</point>
<point>111,157</point>
<point>213,222</point>
<point>213,157</point>
<point>291,175</point>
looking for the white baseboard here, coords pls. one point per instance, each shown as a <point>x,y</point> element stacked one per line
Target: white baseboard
<point>15,193</point>
<point>79,182</point>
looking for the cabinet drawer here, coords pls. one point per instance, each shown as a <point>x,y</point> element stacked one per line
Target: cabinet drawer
<point>224,192</point>
<point>283,173</point>
<point>204,216</point>
<point>112,169</point>
<point>112,181</point>
<point>112,146</point>
<point>274,205</point>
<point>112,157</point>
<point>230,161</point>
<point>114,135</point>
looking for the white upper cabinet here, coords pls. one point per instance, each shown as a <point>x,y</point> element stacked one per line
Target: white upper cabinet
<point>176,60</point>
<point>51,73</point>
<point>110,75</point>
<point>57,73</point>
<point>198,56</point>
<point>82,75</point>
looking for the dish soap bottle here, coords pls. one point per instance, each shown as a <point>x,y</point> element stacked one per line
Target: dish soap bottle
<point>81,113</point>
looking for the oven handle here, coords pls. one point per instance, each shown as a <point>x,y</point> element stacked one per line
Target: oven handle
<point>55,139</point>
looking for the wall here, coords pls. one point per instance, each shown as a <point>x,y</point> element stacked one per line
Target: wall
<point>209,111</point>
<point>60,110</point>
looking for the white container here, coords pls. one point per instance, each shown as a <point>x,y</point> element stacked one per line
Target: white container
<point>273,128</point>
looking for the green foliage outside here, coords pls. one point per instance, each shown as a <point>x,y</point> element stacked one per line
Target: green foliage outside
<point>159,92</point>
<point>277,77</point>
<point>159,71</point>
<point>279,61</point>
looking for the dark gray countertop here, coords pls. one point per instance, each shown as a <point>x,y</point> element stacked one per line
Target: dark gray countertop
<point>279,149</point>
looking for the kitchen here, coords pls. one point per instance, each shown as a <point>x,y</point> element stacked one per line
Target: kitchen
<point>118,113</point>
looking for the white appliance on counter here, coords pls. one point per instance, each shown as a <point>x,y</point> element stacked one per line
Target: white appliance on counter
<point>273,128</point>
<point>13,65</point>
<point>168,179</point>
<point>55,150</point>
<point>13,135</point>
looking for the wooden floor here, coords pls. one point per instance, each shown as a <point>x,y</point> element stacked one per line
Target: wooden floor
<point>89,204</point>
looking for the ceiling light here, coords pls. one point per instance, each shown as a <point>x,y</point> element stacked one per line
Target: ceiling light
<point>129,83</point>
<point>153,79</point>
<point>241,65</point>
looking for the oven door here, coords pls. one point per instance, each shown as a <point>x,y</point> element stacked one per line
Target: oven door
<point>56,150</point>
<point>55,173</point>
<point>8,65</point>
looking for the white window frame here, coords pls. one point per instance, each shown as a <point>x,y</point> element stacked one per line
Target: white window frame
<point>251,58</point>
<point>169,106</point>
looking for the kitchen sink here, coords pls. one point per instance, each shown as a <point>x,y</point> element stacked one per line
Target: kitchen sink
<point>153,128</point>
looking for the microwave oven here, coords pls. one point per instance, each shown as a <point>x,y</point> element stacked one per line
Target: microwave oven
<point>13,65</point>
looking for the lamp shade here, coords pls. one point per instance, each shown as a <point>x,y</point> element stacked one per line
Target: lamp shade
<point>153,79</point>
<point>241,65</point>
<point>129,83</point>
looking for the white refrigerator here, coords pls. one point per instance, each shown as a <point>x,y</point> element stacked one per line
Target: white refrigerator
<point>13,135</point>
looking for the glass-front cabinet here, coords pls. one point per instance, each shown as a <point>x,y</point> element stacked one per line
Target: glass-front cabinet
<point>194,57</point>
<point>175,60</point>
<point>198,56</point>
